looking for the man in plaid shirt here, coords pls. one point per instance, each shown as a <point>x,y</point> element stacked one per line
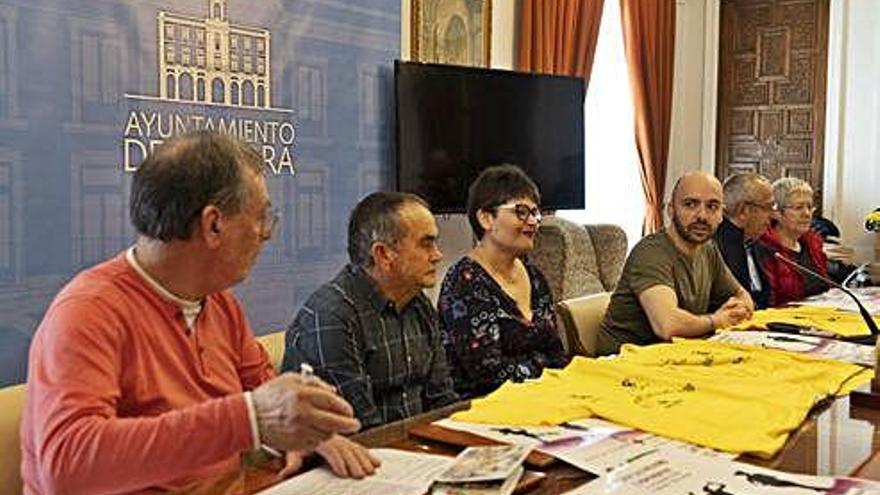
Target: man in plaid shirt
<point>371,331</point>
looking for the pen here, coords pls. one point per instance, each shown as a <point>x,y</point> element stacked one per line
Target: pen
<point>273,452</point>
<point>306,371</point>
<point>308,374</point>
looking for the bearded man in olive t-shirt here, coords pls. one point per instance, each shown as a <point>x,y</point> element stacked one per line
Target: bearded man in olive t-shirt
<point>675,282</point>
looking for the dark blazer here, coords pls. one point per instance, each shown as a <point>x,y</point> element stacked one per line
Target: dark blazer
<point>731,241</point>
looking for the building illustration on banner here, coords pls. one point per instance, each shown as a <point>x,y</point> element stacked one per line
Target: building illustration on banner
<point>213,60</point>
<point>205,63</point>
<point>87,89</point>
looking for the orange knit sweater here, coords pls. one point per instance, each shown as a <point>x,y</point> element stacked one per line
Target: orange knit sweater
<point>122,396</point>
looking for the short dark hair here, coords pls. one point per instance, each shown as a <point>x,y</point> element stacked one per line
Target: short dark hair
<point>178,179</point>
<point>375,218</point>
<point>495,186</point>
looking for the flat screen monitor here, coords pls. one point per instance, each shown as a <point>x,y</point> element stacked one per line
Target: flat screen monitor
<point>453,122</point>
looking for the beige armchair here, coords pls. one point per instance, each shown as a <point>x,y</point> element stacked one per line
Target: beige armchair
<point>11,404</point>
<point>579,260</point>
<point>274,345</point>
<point>580,319</point>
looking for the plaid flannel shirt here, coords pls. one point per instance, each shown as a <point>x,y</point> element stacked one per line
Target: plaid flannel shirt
<point>389,365</point>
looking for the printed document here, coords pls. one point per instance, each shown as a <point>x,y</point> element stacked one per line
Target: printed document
<point>401,473</point>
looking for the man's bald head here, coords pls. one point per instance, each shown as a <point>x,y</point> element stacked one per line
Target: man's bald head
<point>695,207</point>
<point>695,180</point>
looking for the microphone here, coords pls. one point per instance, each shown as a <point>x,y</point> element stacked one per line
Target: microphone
<point>869,320</point>
<point>856,274</point>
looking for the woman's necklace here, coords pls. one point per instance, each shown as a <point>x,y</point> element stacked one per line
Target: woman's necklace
<point>509,278</point>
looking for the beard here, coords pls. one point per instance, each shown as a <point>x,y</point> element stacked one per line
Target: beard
<point>696,232</point>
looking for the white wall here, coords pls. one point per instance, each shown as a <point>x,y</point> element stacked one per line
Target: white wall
<point>692,139</point>
<point>852,139</point>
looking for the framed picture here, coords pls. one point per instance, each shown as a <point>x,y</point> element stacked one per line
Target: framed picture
<point>451,31</point>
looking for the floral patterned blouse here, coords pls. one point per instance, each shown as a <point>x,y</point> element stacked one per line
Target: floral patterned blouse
<point>488,340</point>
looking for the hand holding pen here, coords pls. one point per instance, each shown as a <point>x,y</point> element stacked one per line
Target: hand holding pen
<point>307,373</point>
<point>299,411</point>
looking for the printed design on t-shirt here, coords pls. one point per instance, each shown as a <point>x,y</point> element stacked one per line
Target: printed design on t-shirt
<point>652,394</point>
<point>699,357</point>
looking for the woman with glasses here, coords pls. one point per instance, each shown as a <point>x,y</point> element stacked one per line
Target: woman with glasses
<point>496,310</point>
<point>790,234</point>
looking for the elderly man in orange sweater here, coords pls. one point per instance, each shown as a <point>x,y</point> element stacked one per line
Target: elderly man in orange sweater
<point>144,373</point>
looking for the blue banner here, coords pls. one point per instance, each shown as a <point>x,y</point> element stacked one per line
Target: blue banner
<point>88,87</point>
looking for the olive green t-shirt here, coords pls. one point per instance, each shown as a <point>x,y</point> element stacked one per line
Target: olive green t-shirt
<point>701,282</point>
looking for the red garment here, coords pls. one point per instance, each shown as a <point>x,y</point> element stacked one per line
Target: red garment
<point>786,282</point>
<point>122,397</point>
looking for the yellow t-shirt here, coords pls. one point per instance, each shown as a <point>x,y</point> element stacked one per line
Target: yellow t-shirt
<point>725,396</point>
<point>845,323</point>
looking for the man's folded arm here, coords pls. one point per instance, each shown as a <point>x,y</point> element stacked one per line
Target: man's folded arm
<point>667,319</point>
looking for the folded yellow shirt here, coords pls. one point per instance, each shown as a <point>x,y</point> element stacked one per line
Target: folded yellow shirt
<point>725,396</point>
<point>549,400</point>
<point>844,323</point>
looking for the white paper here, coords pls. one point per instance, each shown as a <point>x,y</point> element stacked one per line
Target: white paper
<point>681,474</point>
<point>836,298</point>
<point>531,436</point>
<point>622,446</point>
<point>401,473</point>
<point>817,346</point>
<point>591,444</point>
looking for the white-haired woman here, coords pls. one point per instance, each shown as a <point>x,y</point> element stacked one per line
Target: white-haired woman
<point>791,236</point>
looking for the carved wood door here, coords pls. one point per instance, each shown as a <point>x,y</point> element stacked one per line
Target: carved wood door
<point>771,88</point>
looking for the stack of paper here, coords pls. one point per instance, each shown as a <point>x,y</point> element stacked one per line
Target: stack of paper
<point>492,470</point>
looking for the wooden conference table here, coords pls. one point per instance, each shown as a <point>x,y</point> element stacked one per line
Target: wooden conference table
<point>840,438</point>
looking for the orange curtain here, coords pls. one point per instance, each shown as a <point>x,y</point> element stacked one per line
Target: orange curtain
<point>559,36</point>
<point>649,40</point>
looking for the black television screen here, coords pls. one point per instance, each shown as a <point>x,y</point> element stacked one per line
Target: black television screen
<point>452,122</point>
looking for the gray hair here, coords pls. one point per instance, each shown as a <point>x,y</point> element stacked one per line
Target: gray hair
<point>783,189</point>
<point>740,189</point>
<point>376,219</point>
<point>181,177</point>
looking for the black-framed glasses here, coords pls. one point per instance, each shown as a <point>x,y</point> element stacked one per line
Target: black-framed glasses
<point>523,211</point>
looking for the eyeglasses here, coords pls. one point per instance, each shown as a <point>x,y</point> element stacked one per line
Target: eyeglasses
<point>269,221</point>
<point>523,212</point>
<point>762,206</point>
<point>807,207</point>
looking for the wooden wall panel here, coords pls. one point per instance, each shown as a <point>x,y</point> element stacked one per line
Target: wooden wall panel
<point>771,87</point>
